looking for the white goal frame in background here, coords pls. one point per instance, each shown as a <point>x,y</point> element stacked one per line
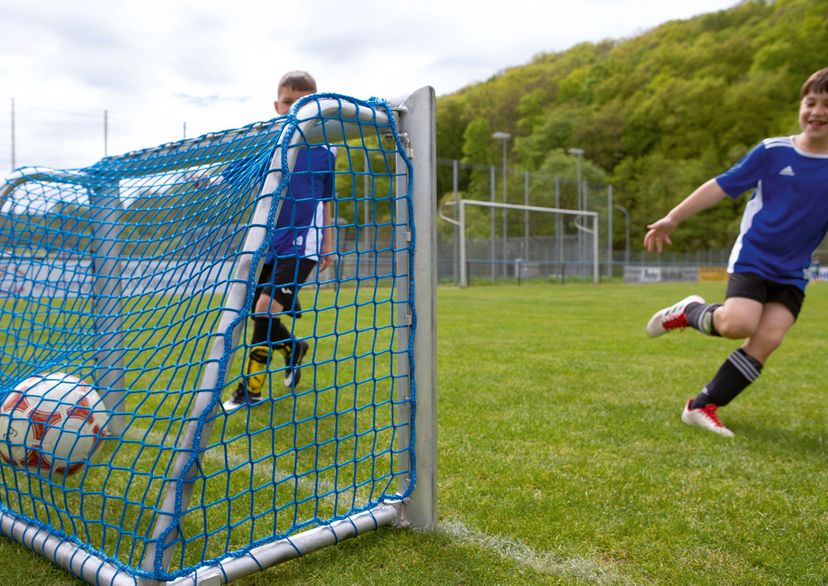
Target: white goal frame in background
<point>461,223</point>
<point>415,122</point>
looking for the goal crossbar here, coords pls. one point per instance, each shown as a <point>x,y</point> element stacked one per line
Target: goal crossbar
<point>461,223</point>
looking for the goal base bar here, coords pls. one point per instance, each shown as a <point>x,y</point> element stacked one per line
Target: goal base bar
<point>94,570</point>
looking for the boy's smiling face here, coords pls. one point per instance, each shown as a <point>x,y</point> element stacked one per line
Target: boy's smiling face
<point>813,117</point>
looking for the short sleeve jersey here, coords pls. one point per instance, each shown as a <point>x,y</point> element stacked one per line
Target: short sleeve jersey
<point>786,217</point>
<point>298,230</point>
<point>300,219</point>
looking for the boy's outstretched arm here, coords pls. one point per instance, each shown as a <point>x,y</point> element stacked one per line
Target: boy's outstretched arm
<point>704,197</point>
<point>327,238</point>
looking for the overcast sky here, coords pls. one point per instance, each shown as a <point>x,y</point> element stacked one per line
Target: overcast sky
<point>155,65</point>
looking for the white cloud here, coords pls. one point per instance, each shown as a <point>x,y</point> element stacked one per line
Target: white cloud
<point>156,64</point>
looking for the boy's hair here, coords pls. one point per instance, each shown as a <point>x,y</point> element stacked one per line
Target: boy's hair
<point>298,80</point>
<point>817,83</point>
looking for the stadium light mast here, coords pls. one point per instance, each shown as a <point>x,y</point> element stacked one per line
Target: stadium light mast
<point>626,213</point>
<point>578,153</point>
<point>504,137</point>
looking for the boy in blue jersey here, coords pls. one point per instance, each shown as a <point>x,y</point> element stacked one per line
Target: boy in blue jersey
<point>302,239</point>
<point>784,221</point>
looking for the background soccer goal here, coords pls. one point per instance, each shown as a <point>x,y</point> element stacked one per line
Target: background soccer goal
<point>551,243</point>
<point>136,275</point>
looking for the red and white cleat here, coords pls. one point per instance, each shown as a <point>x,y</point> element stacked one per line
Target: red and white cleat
<point>671,318</point>
<point>705,417</point>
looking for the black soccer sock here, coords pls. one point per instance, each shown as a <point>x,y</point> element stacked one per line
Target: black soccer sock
<point>700,317</point>
<point>270,331</point>
<point>735,374</point>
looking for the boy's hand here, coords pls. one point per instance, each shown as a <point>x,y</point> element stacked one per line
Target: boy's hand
<point>659,233</point>
<point>325,256</point>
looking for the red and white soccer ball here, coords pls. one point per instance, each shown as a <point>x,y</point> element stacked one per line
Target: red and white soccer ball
<point>51,421</point>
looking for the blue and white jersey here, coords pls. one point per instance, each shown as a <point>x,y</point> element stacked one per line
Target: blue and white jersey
<point>298,230</point>
<point>787,215</point>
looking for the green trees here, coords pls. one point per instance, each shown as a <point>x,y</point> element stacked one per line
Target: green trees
<point>656,114</point>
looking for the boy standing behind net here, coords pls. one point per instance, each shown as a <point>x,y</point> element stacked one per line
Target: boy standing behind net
<point>302,238</point>
<point>783,223</point>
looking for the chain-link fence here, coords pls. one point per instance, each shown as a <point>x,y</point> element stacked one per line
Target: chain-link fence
<point>522,242</point>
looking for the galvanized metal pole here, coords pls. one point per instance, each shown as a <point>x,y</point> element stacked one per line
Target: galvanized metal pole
<point>455,187</point>
<point>504,137</point>
<point>559,222</point>
<point>492,188</point>
<point>526,216</point>
<point>505,227</point>
<point>626,233</point>
<point>418,121</point>
<point>609,231</point>
<point>464,280</point>
<point>596,277</point>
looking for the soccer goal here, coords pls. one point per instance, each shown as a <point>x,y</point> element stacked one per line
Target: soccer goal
<point>136,275</point>
<point>562,243</point>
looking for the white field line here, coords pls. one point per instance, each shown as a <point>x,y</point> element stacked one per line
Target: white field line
<point>548,563</point>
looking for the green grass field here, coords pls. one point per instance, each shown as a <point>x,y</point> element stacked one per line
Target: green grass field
<point>563,459</point>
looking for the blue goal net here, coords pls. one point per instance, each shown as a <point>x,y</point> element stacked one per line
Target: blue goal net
<point>139,277</point>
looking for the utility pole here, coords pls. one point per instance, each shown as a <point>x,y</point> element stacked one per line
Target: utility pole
<point>13,161</point>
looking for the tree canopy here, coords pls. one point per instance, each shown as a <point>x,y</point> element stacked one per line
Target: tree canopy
<point>656,115</point>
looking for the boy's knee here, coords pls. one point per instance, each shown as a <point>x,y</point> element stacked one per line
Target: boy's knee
<point>735,327</point>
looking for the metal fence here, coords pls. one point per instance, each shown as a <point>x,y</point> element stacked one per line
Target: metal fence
<point>520,245</point>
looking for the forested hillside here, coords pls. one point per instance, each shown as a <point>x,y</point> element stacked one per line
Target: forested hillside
<point>656,114</point>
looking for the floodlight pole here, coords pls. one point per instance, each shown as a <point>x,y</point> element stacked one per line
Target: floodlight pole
<point>609,231</point>
<point>526,216</point>
<point>492,187</point>
<point>578,154</point>
<point>559,223</point>
<point>626,213</point>
<point>455,187</point>
<point>504,137</point>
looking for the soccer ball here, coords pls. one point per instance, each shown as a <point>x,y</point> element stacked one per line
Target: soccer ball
<point>51,421</point>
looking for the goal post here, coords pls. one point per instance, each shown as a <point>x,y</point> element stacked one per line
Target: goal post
<point>581,219</point>
<point>137,275</point>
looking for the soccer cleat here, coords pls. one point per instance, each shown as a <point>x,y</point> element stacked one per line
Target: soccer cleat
<point>705,417</point>
<point>294,355</point>
<point>241,398</point>
<point>671,318</point>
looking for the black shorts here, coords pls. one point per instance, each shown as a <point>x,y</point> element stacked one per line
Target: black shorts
<point>283,284</point>
<point>752,286</point>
